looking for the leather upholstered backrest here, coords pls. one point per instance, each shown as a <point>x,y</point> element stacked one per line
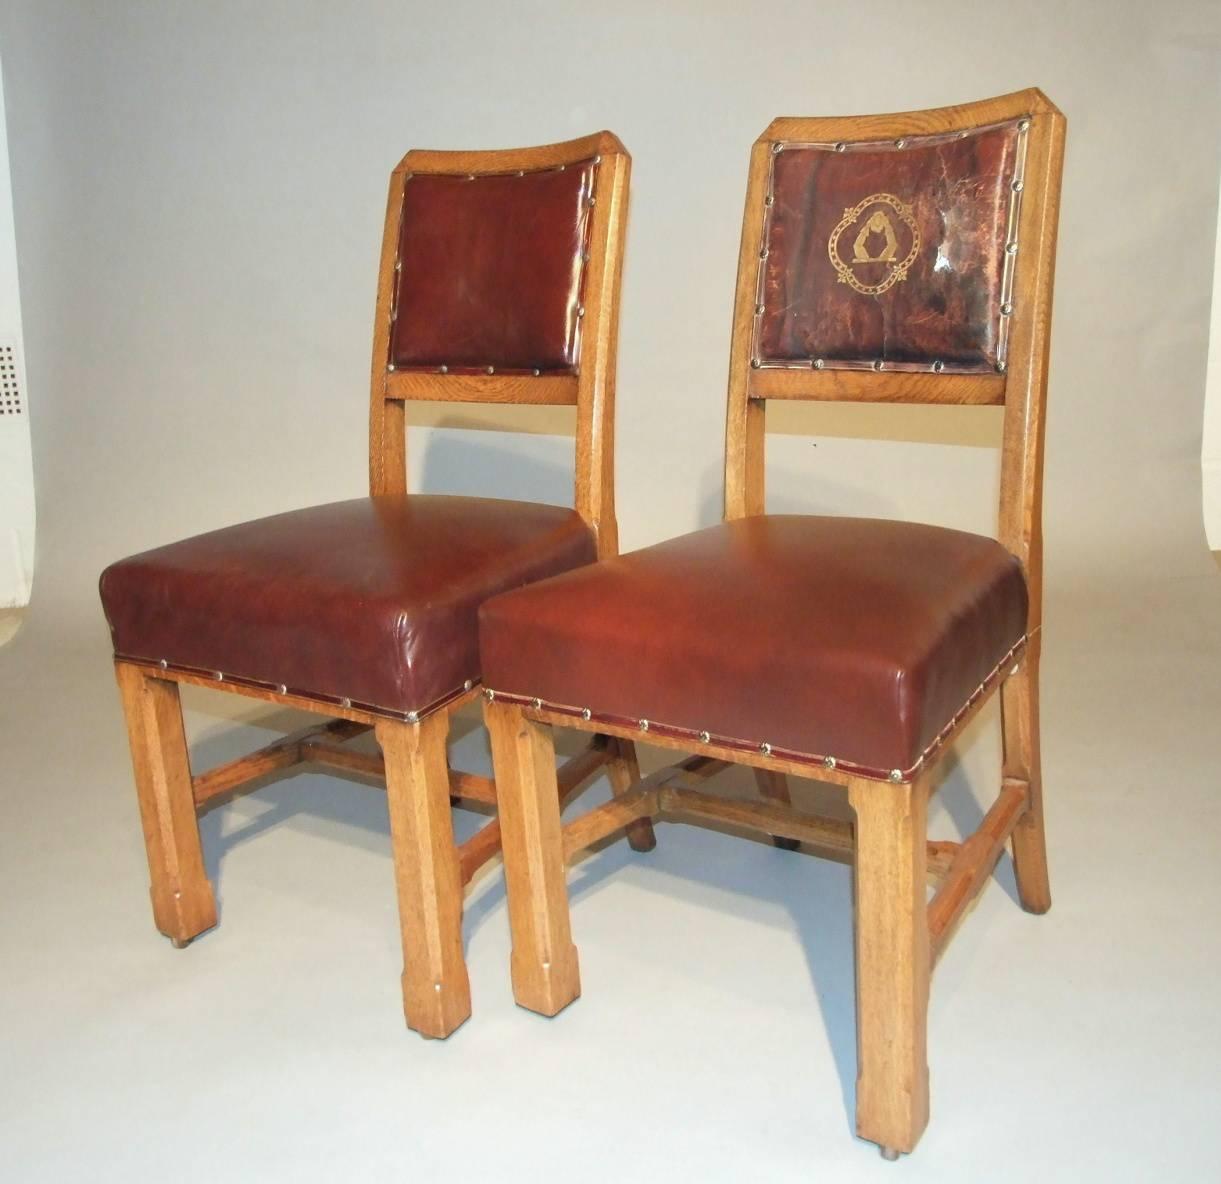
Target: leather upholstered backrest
<point>895,254</point>
<point>491,269</point>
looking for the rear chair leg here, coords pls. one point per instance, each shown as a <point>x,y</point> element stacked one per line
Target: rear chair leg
<point>774,787</point>
<point>624,771</point>
<point>183,903</point>
<point>546,977</point>
<point>436,991</point>
<point>1020,729</point>
<point>892,962</point>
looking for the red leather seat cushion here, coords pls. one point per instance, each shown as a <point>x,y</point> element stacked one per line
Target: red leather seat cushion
<point>372,600</point>
<point>858,639</point>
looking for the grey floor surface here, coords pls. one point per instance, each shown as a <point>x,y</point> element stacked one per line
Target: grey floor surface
<point>714,1040</point>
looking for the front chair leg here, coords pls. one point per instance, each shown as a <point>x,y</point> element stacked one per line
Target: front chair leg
<point>1020,731</point>
<point>892,962</point>
<point>545,974</point>
<point>183,903</point>
<point>624,771</point>
<point>436,991</point>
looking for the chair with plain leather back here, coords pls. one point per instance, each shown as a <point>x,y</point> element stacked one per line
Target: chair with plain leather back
<point>897,258</point>
<point>499,283</point>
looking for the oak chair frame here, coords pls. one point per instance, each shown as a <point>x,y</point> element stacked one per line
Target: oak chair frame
<point>430,869</point>
<point>899,931</point>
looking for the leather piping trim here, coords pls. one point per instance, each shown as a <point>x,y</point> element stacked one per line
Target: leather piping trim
<point>224,679</point>
<point>997,675</point>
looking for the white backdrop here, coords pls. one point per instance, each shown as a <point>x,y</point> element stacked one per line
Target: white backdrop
<point>198,192</point>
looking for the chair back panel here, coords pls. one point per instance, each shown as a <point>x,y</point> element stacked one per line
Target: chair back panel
<point>891,254</point>
<point>490,271</point>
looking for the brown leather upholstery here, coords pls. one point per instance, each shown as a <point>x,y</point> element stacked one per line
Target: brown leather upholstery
<point>884,253</point>
<point>491,270</point>
<point>856,639</point>
<point>372,601</point>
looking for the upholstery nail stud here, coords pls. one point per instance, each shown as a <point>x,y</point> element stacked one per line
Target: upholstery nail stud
<point>1000,367</point>
<point>705,737</point>
<point>755,363</point>
<point>489,694</point>
<point>491,369</point>
<point>819,364</point>
<point>829,762</point>
<point>282,689</point>
<point>1017,187</point>
<point>777,147</point>
<point>1011,248</point>
<point>345,702</point>
<point>413,717</point>
<point>580,310</point>
<point>466,686</point>
<point>938,366</point>
<point>840,147</point>
<point>1023,125</point>
<point>765,748</point>
<point>900,143</point>
<point>896,775</point>
<point>537,372</point>
<point>1006,309</point>
<point>1015,669</point>
<point>537,701</point>
<point>444,369</point>
<point>644,725</point>
<point>164,664</point>
<point>586,713</point>
<point>391,367</point>
<point>219,676</point>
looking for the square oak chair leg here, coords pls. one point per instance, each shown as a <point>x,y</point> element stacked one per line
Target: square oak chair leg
<point>892,962</point>
<point>183,902</point>
<point>1020,730</point>
<point>436,991</point>
<point>544,967</point>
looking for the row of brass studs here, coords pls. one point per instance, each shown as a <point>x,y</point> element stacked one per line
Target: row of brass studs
<point>412,717</point>
<point>829,762</point>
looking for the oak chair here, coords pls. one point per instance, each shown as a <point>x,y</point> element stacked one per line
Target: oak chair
<point>499,283</point>
<point>895,258</point>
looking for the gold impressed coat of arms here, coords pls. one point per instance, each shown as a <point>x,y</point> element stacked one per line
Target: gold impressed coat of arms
<point>877,242</point>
